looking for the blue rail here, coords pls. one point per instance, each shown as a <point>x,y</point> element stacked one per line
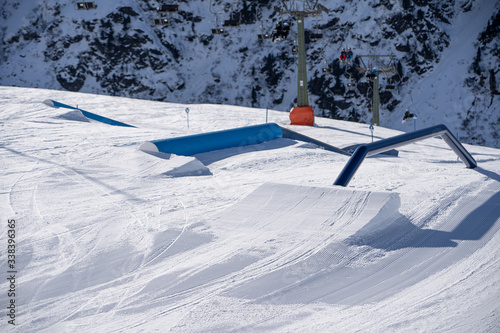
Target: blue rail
<point>200,143</point>
<point>289,134</point>
<point>380,146</point>
<point>87,114</point>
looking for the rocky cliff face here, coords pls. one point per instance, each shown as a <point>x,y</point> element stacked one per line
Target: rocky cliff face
<point>482,82</point>
<point>117,49</point>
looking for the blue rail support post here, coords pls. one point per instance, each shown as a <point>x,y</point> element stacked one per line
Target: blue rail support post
<point>377,147</point>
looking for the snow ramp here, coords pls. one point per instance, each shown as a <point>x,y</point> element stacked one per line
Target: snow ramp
<point>291,244</point>
<point>352,247</point>
<point>273,238</point>
<point>318,214</point>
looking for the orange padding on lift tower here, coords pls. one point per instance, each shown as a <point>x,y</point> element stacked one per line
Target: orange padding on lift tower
<point>302,115</point>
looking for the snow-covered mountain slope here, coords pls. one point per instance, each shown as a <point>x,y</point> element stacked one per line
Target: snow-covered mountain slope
<point>446,55</point>
<point>254,238</point>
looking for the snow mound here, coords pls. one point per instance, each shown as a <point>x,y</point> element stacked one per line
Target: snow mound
<point>182,166</point>
<point>158,164</point>
<point>76,115</point>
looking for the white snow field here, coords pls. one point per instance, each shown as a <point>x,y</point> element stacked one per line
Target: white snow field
<point>109,238</point>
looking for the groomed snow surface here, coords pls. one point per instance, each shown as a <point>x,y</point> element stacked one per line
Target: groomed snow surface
<point>247,239</point>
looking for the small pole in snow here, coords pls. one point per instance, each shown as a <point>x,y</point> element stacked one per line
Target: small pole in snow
<point>371,129</point>
<point>266,114</point>
<point>187,115</point>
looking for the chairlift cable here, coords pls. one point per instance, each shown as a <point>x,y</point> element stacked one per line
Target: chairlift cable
<point>411,99</point>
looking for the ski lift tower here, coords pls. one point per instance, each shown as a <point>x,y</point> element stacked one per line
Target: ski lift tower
<point>303,113</point>
<point>374,66</point>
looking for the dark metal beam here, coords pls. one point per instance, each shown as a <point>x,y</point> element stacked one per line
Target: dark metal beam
<point>380,146</point>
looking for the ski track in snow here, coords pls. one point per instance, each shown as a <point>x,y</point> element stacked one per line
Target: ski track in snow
<point>110,241</point>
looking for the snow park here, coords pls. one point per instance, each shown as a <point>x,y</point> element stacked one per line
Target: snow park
<point>218,166</point>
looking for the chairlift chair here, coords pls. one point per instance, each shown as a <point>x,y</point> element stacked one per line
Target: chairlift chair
<point>327,69</point>
<point>218,31</point>
<point>263,36</point>
<point>316,36</point>
<point>317,27</point>
<point>166,9</point>
<point>162,21</point>
<point>371,74</point>
<point>351,84</point>
<point>231,23</point>
<point>86,5</point>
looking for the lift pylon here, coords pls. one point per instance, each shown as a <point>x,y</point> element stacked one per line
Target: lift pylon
<point>375,65</point>
<point>303,113</point>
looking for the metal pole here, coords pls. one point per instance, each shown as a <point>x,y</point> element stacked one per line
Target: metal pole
<point>302,92</point>
<point>375,119</point>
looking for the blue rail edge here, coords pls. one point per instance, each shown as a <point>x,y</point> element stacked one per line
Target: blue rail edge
<point>87,114</point>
